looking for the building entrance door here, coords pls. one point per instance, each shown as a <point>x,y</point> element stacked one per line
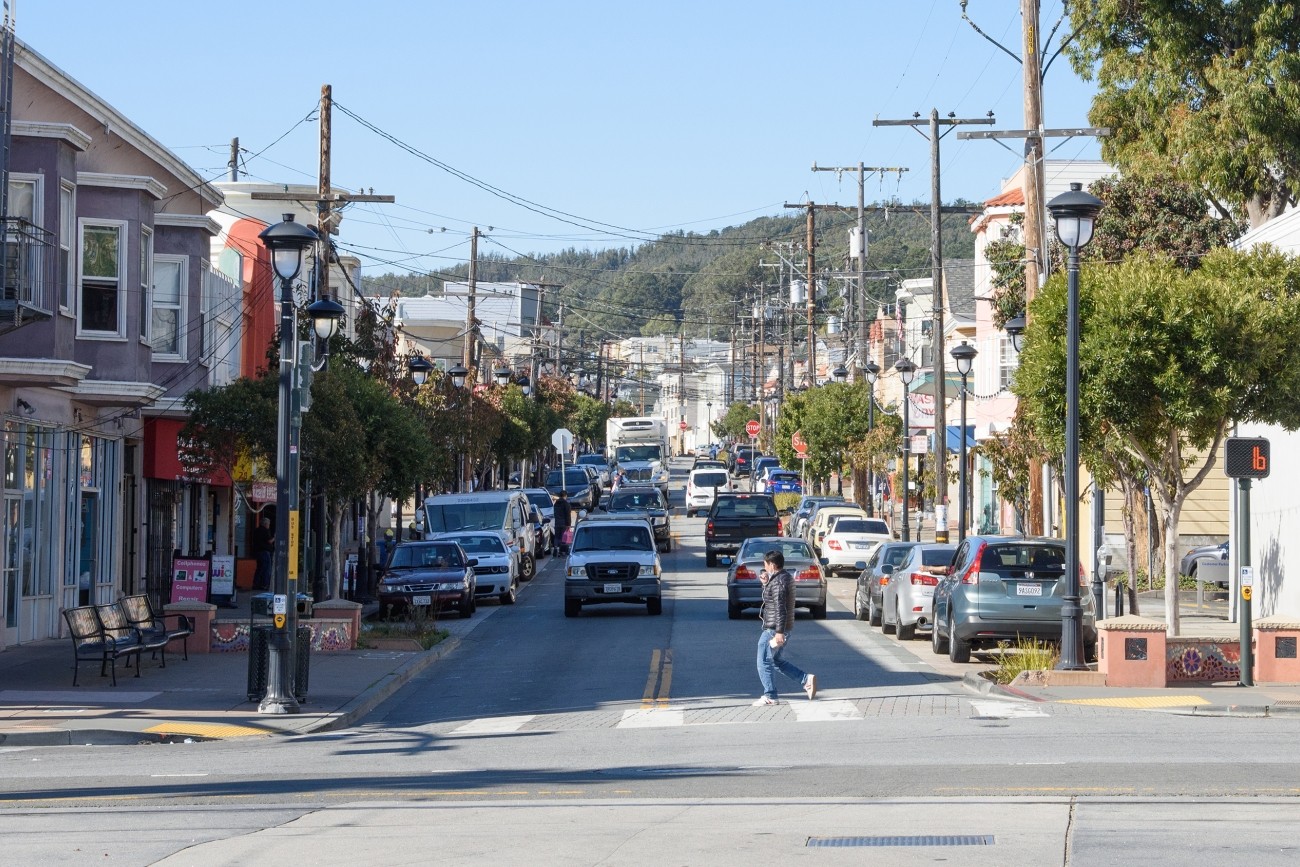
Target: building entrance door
<point>11,585</point>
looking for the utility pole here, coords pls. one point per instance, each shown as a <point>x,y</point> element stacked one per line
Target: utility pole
<point>234,159</point>
<point>861,251</point>
<point>939,372</point>
<point>731,362</point>
<point>681,386</point>
<point>812,296</point>
<point>468,353</point>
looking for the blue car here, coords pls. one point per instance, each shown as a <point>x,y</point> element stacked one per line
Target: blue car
<point>784,482</point>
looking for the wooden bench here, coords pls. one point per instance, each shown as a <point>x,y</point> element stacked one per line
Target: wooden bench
<point>103,633</point>
<point>140,613</point>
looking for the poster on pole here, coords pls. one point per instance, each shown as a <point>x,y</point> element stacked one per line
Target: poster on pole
<point>190,579</point>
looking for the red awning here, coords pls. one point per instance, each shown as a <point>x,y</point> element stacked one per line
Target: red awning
<point>162,455</point>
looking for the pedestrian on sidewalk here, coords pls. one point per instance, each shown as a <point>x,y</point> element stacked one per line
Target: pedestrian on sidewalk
<point>778,619</point>
<point>263,549</point>
<point>563,518</point>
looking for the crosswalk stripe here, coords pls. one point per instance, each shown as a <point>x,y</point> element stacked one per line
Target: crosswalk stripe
<point>652,718</point>
<point>1004,709</point>
<point>824,711</point>
<point>496,725</point>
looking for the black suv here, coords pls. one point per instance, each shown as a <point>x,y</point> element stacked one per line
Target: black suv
<point>742,459</point>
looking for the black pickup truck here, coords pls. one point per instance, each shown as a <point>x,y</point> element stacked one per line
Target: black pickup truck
<point>733,518</point>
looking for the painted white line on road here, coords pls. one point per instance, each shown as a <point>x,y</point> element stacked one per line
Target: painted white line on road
<point>824,711</point>
<point>497,725</point>
<point>177,775</point>
<point>1004,710</point>
<point>652,718</point>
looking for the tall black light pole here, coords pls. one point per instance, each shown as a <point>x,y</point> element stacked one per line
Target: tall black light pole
<point>1075,213</point>
<point>841,374</point>
<point>458,375</point>
<point>964,354</point>
<point>286,241</point>
<point>872,372</point>
<point>906,371</point>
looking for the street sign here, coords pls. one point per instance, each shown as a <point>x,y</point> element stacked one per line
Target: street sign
<point>683,424</point>
<point>1246,458</point>
<point>752,428</point>
<point>562,439</point>
<point>798,443</point>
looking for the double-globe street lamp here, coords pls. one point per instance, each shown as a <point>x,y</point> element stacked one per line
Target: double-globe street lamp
<point>906,372</point>
<point>964,354</point>
<point>871,371</point>
<point>286,242</point>
<point>1075,213</point>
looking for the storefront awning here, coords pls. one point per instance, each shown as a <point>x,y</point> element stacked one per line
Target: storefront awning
<point>162,455</point>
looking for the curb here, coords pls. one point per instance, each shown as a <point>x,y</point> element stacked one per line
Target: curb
<point>972,681</point>
<point>383,689</point>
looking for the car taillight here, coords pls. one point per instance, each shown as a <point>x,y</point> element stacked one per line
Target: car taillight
<point>884,579</point>
<point>708,529</point>
<point>744,572</point>
<point>972,574</point>
<point>922,578</point>
<point>809,574</point>
<point>780,531</point>
<point>834,544</point>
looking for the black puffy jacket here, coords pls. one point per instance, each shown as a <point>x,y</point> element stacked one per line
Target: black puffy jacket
<point>778,602</point>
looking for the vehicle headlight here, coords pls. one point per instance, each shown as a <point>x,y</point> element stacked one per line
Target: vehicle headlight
<point>657,569</point>
<point>576,572</point>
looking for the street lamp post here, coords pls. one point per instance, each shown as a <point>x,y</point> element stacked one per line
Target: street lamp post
<point>906,371</point>
<point>964,354</point>
<point>286,242</point>
<point>1075,213</point>
<point>872,371</point>
<point>841,374</point>
<point>458,376</point>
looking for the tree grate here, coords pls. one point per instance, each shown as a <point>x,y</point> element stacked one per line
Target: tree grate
<point>921,840</point>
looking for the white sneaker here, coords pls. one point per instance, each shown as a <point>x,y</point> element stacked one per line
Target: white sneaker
<point>810,686</point>
<point>765,702</point>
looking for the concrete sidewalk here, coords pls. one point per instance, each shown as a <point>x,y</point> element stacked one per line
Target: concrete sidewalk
<point>204,697</point>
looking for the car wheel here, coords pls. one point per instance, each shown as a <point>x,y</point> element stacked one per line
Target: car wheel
<point>733,611</point>
<point>818,611</point>
<point>572,607</point>
<point>938,644</point>
<point>466,607</point>
<point>527,568</point>
<point>859,612</point>
<point>875,612</point>
<point>509,597</point>
<point>710,558</point>
<point>885,626</point>
<point>654,605</point>
<point>958,650</point>
<point>902,631</point>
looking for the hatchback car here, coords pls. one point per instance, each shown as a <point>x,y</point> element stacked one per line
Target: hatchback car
<point>908,598</point>
<point>494,572</point>
<point>868,599</point>
<point>745,589</point>
<point>1204,554</point>
<point>780,481</point>
<point>434,575</point>
<point>851,540</point>
<point>821,520</point>
<point>575,480</point>
<point>797,525</point>
<point>759,469</point>
<point>1002,588</point>
<point>648,501</point>
<point>703,485</point>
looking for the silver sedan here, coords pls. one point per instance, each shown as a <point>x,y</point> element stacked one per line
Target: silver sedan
<point>745,590</point>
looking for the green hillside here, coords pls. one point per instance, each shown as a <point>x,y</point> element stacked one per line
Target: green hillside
<point>696,282</point>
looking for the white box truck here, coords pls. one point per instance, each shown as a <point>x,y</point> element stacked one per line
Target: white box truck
<point>639,447</point>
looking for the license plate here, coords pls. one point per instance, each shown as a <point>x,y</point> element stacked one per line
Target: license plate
<point>860,545</point>
<point>1029,590</point>
<point>421,600</point>
<point>925,591</point>
<point>613,588</point>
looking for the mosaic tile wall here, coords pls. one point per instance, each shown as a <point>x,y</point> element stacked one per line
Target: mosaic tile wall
<point>229,636</point>
<point>1188,660</point>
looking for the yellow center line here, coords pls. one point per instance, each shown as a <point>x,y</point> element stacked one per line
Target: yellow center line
<point>666,678</point>
<point>648,695</point>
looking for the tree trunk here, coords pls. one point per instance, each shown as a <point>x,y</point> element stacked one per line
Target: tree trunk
<point>1171,569</point>
<point>334,575</point>
<point>1130,541</point>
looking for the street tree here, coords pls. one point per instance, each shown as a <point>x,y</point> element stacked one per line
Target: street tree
<point>1168,359</point>
<point>1207,90</point>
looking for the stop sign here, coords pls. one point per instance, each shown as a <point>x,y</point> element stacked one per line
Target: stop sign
<point>683,424</point>
<point>798,443</point>
<point>752,428</point>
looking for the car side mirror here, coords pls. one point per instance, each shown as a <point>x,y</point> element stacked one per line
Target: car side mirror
<point>472,562</point>
<point>860,565</point>
<point>886,569</point>
<point>546,519</point>
<point>825,561</point>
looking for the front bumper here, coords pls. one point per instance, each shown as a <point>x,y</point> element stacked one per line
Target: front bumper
<point>598,592</point>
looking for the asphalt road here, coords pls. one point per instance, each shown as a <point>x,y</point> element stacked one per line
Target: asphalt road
<point>622,738</point>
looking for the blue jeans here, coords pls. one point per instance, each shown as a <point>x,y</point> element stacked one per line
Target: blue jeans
<point>770,660</point>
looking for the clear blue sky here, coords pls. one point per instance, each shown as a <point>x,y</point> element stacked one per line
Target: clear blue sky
<point>648,116</point>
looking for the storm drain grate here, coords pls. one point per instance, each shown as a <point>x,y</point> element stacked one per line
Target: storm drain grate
<point>922,840</point>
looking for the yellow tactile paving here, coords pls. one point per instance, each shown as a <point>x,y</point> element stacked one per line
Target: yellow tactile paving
<point>1141,701</point>
<point>207,730</point>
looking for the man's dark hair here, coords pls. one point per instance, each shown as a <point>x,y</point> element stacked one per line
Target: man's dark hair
<point>564,494</point>
<point>775,557</point>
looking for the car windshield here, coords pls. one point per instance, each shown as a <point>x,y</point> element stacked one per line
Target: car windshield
<point>572,479</point>
<point>483,544</point>
<point>446,556</point>
<point>466,514</point>
<point>637,453</point>
<point>635,500</point>
<point>592,537</point>
<point>709,480</point>
<point>745,507</point>
<point>857,525</point>
<point>592,460</point>
<point>792,549</point>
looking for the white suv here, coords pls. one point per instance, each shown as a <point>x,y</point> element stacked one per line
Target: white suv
<point>702,488</point>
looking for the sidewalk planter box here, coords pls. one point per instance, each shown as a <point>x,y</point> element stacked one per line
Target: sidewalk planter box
<point>1131,651</point>
<point>203,614</point>
<point>332,610</point>
<point>1277,649</point>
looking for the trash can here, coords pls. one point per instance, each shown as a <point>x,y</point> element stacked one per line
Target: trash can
<point>259,662</point>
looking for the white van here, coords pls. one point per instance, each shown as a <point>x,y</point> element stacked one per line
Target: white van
<point>502,512</point>
<point>703,485</point>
